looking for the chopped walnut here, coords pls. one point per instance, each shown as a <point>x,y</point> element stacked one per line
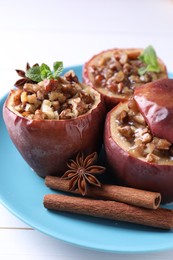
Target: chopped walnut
<point>120,87</point>
<point>122,117</point>
<point>53,95</point>
<point>55,105</point>
<point>146,138</point>
<point>137,150</point>
<point>32,88</point>
<point>133,106</point>
<point>66,114</point>
<point>123,58</point>
<point>39,115</point>
<point>32,99</point>
<point>126,131</point>
<point>152,158</point>
<point>16,96</point>
<point>30,108</point>
<point>119,76</point>
<point>149,148</point>
<point>162,144</point>
<point>24,97</point>
<point>20,108</point>
<point>40,95</point>
<point>71,76</point>
<point>139,119</point>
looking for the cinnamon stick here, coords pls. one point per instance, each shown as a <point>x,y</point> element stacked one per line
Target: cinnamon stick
<point>160,218</point>
<point>127,195</point>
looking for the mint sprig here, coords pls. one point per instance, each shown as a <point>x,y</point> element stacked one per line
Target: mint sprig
<point>149,57</point>
<point>39,73</point>
<point>45,72</point>
<point>34,73</point>
<point>58,68</point>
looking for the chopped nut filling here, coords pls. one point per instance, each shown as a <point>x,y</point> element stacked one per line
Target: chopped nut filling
<point>64,98</point>
<point>132,127</point>
<point>119,72</point>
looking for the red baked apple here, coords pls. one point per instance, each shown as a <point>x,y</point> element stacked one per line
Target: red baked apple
<point>116,73</point>
<point>138,157</point>
<point>51,121</point>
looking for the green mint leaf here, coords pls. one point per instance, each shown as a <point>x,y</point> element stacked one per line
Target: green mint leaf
<point>142,71</point>
<point>38,73</point>
<point>45,71</point>
<point>153,68</point>
<point>58,68</point>
<point>34,74</point>
<point>149,57</point>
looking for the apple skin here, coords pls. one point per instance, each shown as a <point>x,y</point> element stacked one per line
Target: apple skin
<point>111,99</point>
<point>155,102</point>
<point>134,172</point>
<point>47,145</point>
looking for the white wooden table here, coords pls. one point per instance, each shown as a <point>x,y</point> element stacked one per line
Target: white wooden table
<point>72,31</point>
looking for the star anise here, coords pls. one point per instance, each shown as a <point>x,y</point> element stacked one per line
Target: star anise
<point>82,172</point>
<point>21,73</point>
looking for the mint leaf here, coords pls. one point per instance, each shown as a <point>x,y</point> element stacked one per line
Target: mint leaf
<point>142,70</point>
<point>58,68</point>
<point>153,68</point>
<point>45,71</point>
<point>149,57</point>
<point>34,74</point>
<point>38,73</point>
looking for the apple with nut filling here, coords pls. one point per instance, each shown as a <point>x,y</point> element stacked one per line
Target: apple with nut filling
<point>116,73</point>
<point>51,120</point>
<point>139,139</point>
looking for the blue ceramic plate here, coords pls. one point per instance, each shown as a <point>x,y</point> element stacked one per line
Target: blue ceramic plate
<point>22,192</point>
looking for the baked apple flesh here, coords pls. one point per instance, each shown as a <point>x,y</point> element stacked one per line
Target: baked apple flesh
<point>136,157</point>
<point>155,102</point>
<point>50,122</point>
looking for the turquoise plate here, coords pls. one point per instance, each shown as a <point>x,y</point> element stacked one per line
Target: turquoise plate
<point>22,192</point>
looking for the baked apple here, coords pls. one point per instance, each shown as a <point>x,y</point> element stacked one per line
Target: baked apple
<point>116,73</point>
<point>50,121</point>
<point>138,156</point>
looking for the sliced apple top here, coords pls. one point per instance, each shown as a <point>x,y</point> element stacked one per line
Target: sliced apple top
<point>155,102</point>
